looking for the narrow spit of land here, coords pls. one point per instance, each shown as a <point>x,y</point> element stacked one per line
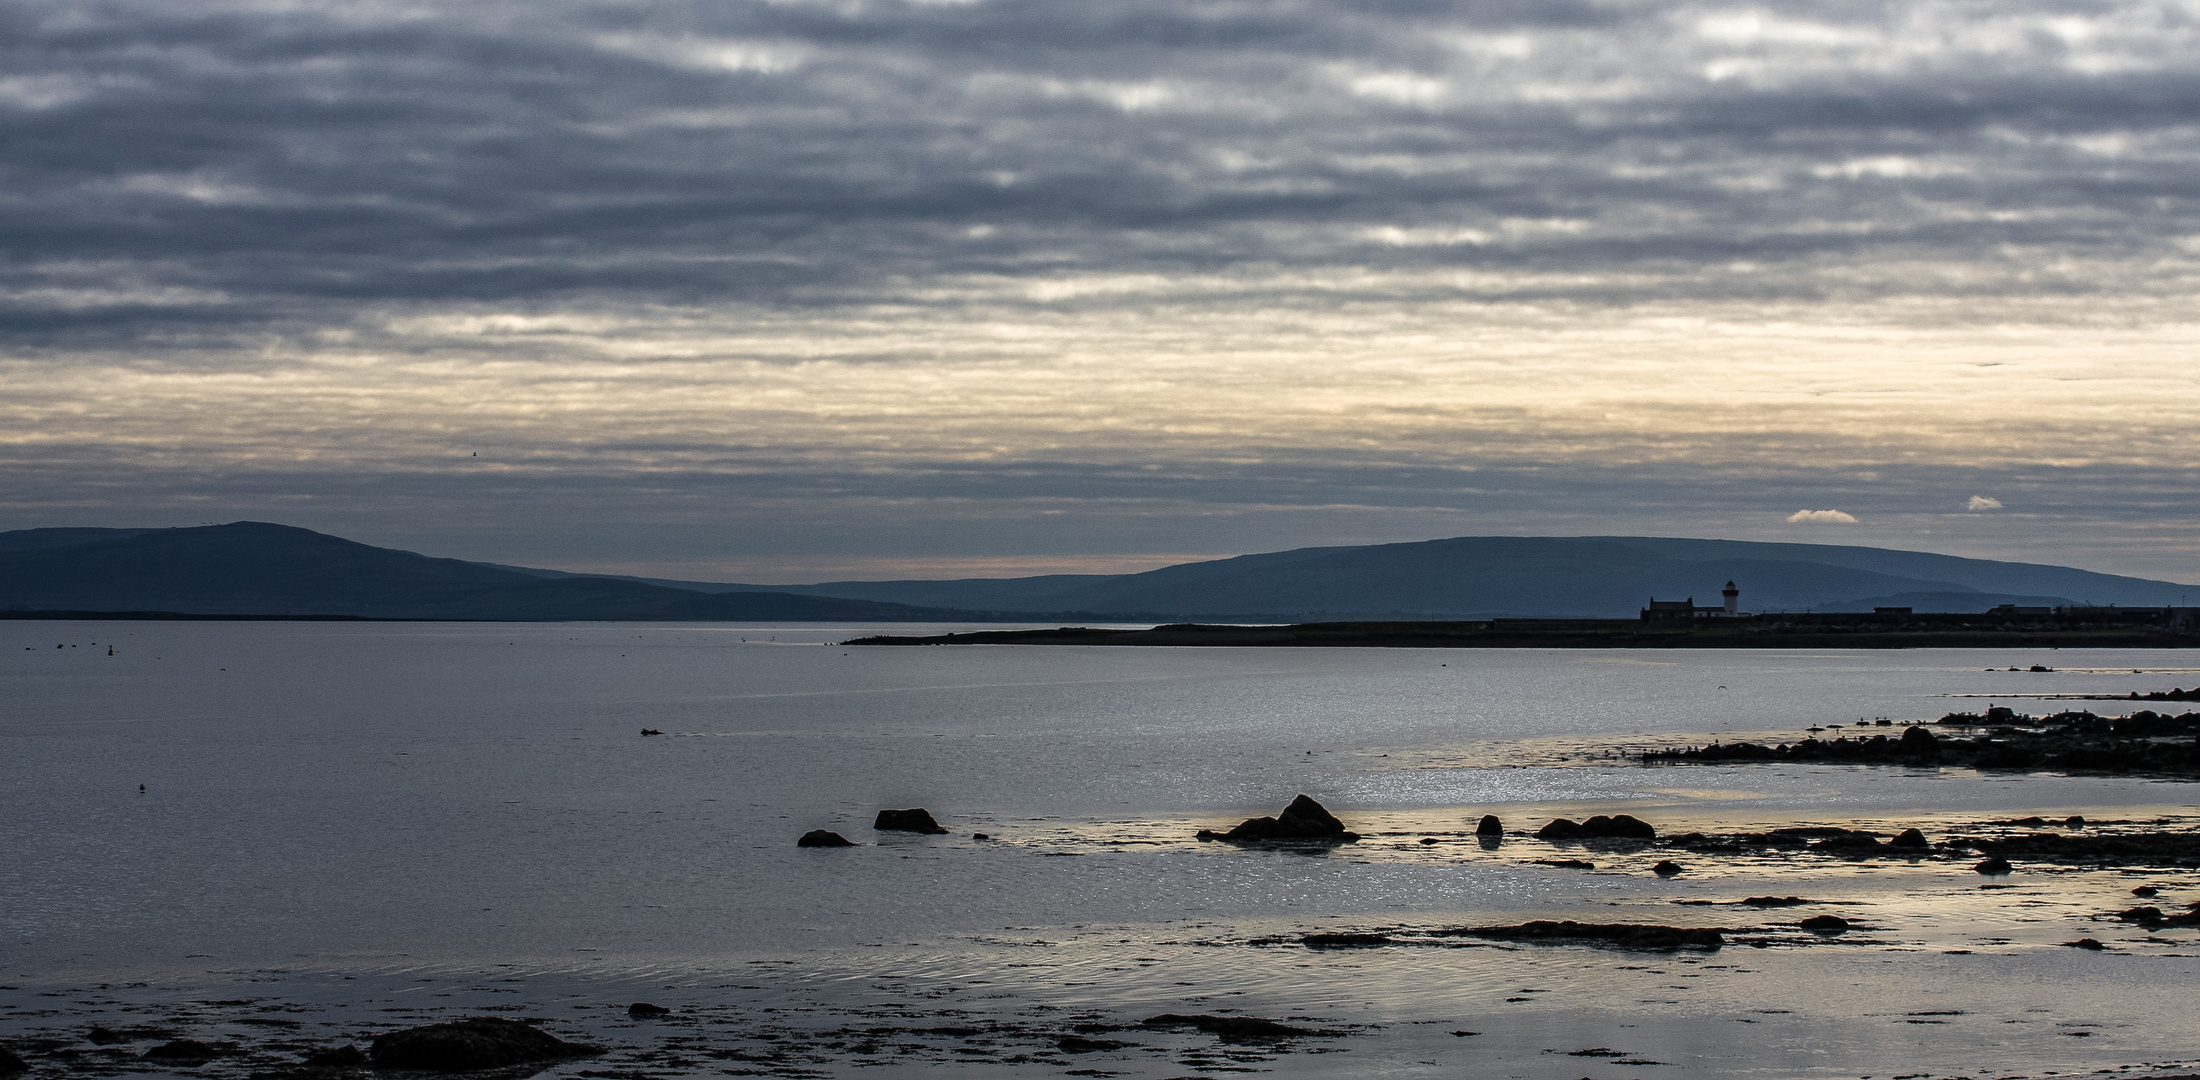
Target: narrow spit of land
<point>1831,631</point>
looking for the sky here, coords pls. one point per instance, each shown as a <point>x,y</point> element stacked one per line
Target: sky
<point>789,291</point>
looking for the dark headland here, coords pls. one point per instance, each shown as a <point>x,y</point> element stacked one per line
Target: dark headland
<point>2108,628</point>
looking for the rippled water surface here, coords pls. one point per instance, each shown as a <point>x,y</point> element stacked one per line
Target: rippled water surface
<point>468,808</point>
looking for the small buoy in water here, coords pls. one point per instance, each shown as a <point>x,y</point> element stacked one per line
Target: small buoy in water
<point>141,789</point>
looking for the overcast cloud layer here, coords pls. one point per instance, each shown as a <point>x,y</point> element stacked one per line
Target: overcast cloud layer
<point>788,290</point>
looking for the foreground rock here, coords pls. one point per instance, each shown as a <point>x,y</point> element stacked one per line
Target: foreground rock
<point>11,1065</point>
<point>1304,819</point>
<point>1616,935</point>
<point>1231,1028</point>
<point>472,1044</point>
<point>346,1056</point>
<point>1616,827</point>
<point>182,1052</point>
<point>823,838</point>
<point>916,820</point>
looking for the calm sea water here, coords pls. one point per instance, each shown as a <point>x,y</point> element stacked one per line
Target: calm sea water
<point>386,798</point>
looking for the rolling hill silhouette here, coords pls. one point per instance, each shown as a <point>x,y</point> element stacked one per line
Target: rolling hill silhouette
<point>255,568</point>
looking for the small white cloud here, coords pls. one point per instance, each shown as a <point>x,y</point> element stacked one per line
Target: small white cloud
<point>1822,517</point>
<point>1981,502</point>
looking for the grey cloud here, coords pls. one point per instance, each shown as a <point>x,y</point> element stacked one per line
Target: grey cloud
<point>186,182</point>
<point>327,157</point>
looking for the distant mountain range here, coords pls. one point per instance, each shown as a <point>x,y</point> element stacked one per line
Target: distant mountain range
<point>254,568</point>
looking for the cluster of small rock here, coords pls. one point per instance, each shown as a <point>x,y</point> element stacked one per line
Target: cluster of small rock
<point>914,820</point>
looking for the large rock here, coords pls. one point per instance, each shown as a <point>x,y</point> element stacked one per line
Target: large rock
<point>823,838</point>
<point>1618,935</point>
<point>915,819</point>
<point>1910,838</point>
<point>1230,1028</point>
<point>1600,827</point>
<point>472,1044</point>
<point>346,1056</point>
<point>1304,819</point>
<point>1490,826</point>
<point>182,1052</point>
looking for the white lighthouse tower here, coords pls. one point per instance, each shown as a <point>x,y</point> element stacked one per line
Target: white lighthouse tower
<point>1733,598</point>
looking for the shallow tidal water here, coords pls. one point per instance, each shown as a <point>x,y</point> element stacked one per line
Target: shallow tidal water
<point>349,827</point>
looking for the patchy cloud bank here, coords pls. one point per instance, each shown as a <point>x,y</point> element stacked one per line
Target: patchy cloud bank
<point>819,286</point>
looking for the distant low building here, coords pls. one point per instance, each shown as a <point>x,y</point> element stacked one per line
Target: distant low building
<point>1686,611</point>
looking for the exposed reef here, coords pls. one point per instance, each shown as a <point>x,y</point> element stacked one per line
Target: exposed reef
<point>1617,935</point>
<point>471,1045</point>
<point>2145,743</point>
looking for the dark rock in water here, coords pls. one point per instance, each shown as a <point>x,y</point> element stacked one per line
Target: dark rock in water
<point>915,819</point>
<point>182,1052</point>
<point>11,1065</point>
<point>1078,1044</point>
<point>1304,819</point>
<point>1570,864</point>
<point>1230,1028</point>
<point>1666,868</point>
<point>1489,826</point>
<point>642,1010</point>
<point>1620,827</point>
<point>2145,891</point>
<point>1618,935</point>
<point>651,731</point>
<point>1430,840</point>
<point>105,1036</point>
<point>1919,738</point>
<point>337,1057</point>
<point>1616,827</point>
<point>981,836</point>
<point>1560,829</point>
<point>823,838</point>
<point>1995,865</point>
<point>1826,924</point>
<point>1344,941</point>
<point>472,1044</point>
<point>2152,918</point>
<point>1852,845</point>
<point>2075,821</point>
<point>2085,943</point>
<point>1909,838</point>
<point>1776,901</point>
